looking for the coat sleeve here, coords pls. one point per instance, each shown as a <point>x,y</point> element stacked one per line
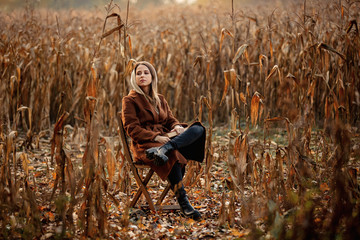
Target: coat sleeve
<point>132,124</point>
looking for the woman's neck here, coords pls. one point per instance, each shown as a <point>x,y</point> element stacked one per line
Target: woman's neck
<point>146,90</point>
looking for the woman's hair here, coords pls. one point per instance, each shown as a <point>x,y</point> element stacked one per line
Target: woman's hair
<point>153,97</point>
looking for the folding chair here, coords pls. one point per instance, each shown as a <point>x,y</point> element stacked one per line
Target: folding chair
<point>142,188</point>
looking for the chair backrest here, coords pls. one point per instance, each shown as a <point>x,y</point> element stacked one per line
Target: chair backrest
<point>127,152</point>
<point>124,141</point>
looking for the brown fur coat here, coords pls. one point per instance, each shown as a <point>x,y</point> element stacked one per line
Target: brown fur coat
<point>143,124</point>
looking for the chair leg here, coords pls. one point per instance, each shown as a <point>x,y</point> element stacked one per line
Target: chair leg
<point>163,194</point>
<point>142,189</point>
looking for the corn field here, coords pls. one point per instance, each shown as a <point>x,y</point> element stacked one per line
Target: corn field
<point>276,87</point>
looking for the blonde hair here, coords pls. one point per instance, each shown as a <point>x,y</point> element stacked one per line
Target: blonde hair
<point>153,97</point>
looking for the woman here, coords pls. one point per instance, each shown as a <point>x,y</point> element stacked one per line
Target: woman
<point>147,119</point>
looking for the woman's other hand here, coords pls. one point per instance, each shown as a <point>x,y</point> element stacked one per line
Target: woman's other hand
<point>161,139</point>
<point>179,129</point>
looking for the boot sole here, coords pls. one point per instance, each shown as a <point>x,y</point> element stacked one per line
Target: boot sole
<point>192,216</point>
<point>153,154</point>
<point>150,153</point>
<point>159,161</point>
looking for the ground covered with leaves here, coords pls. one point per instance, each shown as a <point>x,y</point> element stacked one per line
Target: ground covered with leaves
<point>124,223</point>
<point>228,213</point>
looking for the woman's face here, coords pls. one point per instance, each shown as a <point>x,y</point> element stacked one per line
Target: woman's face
<point>143,78</point>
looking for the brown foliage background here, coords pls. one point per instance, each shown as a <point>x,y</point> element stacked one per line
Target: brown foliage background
<point>46,61</point>
<point>295,68</point>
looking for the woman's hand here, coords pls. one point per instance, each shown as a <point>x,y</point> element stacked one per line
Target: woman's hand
<point>179,129</point>
<point>161,139</point>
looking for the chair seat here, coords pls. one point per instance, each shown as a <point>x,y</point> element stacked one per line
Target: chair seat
<point>141,164</point>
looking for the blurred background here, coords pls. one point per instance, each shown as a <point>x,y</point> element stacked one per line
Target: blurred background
<point>8,5</point>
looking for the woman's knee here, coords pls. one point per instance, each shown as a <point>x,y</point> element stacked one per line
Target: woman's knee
<point>198,129</point>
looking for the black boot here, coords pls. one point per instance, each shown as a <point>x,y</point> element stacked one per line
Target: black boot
<point>185,207</point>
<point>158,154</point>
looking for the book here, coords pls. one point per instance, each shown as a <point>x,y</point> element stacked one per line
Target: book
<point>173,134</point>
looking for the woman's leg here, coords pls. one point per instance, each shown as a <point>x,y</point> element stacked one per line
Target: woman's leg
<point>185,139</point>
<point>188,137</point>
<point>175,178</point>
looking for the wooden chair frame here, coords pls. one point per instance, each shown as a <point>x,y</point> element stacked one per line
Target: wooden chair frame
<point>142,183</point>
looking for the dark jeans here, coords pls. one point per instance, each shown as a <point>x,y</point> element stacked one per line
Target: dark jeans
<point>179,142</point>
<point>176,174</point>
<point>185,139</point>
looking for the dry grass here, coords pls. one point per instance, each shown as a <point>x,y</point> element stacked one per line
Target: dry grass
<point>259,68</point>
